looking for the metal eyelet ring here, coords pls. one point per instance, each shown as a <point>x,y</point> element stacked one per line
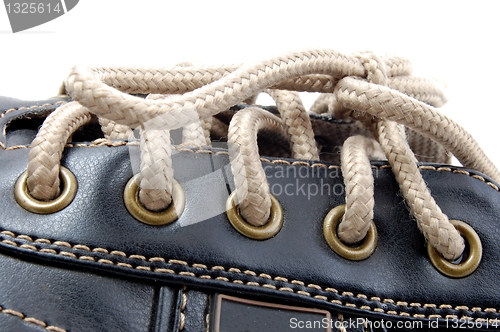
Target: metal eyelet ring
<point>270,229</point>
<point>469,264</point>
<point>139,212</point>
<point>29,203</point>
<point>357,253</point>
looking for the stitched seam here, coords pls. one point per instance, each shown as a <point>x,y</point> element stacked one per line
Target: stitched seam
<point>105,142</point>
<point>32,320</point>
<point>340,318</point>
<point>237,281</point>
<point>24,108</point>
<point>31,107</point>
<point>182,322</point>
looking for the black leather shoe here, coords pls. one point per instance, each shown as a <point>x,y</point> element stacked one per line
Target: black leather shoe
<point>92,265</point>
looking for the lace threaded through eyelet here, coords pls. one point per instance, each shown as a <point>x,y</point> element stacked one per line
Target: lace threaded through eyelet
<point>29,203</point>
<point>468,264</point>
<point>270,229</point>
<point>139,212</point>
<point>354,253</point>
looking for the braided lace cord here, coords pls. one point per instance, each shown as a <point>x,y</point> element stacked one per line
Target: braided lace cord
<point>433,223</point>
<point>252,190</point>
<point>377,91</point>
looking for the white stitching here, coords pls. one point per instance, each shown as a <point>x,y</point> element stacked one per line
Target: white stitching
<point>32,320</point>
<point>253,283</point>
<point>30,107</point>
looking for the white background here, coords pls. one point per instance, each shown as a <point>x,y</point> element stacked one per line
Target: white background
<point>454,41</point>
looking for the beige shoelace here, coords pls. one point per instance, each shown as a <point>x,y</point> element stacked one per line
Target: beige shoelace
<point>377,93</point>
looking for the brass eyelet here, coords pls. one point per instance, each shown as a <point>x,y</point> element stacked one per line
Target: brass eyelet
<point>29,203</point>
<point>139,212</point>
<point>470,263</point>
<point>357,253</point>
<point>270,229</point>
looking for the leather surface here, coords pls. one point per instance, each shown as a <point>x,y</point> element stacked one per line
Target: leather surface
<point>56,294</point>
<point>194,318</point>
<point>94,251</point>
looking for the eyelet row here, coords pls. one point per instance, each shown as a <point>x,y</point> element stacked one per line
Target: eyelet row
<point>464,268</point>
<point>356,253</point>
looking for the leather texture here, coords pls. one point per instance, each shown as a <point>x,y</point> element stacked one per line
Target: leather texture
<point>93,267</point>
